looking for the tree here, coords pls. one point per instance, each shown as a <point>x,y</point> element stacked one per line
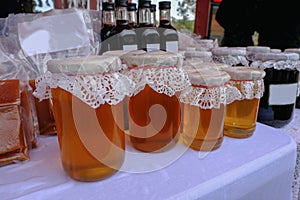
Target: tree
<point>186,9</point>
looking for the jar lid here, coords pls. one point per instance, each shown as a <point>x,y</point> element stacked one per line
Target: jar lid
<point>275,50</point>
<point>196,64</point>
<point>154,59</point>
<point>258,49</point>
<point>292,50</point>
<point>207,77</point>
<point>232,51</point>
<point>200,54</point>
<point>245,73</point>
<point>85,65</point>
<point>276,56</point>
<point>122,53</point>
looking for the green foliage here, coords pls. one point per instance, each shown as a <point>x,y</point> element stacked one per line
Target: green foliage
<point>186,9</point>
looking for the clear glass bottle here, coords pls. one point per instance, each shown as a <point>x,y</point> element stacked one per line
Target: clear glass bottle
<point>132,15</point>
<point>109,23</point>
<point>153,15</point>
<point>168,34</point>
<point>148,37</point>
<point>124,38</point>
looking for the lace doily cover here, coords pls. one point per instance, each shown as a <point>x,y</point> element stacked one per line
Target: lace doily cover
<point>253,50</point>
<point>95,83</point>
<point>162,71</point>
<point>208,88</point>
<point>230,55</point>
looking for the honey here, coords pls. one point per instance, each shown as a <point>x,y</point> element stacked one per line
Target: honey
<point>241,114</point>
<point>139,107</point>
<point>44,114</point>
<point>204,106</point>
<point>13,143</point>
<point>77,160</point>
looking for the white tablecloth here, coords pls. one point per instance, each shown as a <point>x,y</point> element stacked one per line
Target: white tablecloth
<point>259,167</point>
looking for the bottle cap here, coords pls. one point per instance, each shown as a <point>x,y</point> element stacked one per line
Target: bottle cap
<point>164,5</point>
<point>152,7</point>
<point>121,3</point>
<point>108,6</point>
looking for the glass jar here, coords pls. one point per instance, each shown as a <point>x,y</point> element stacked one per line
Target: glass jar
<point>87,95</point>
<point>247,87</point>
<point>154,109</point>
<point>276,107</point>
<point>204,109</point>
<point>233,56</point>
<point>296,50</point>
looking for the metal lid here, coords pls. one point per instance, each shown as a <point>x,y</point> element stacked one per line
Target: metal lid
<point>85,65</point>
<point>154,59</point>
<point>207,77</point>
<point>245,73</point>
<point>276,56</point>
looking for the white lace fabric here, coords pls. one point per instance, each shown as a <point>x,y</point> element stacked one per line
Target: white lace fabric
<point>279,65</point>
<point>94,90</point>
<point>240,90</point>
<point>204,97</point>
<point>165,80</point>
<point>231,60</point>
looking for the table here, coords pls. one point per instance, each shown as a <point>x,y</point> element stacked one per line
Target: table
<point>259,167</point>
<point>293,130</point>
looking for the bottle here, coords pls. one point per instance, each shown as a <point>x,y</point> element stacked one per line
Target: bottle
<point>124,38</point>
<point>148,37</point>
<point>153,15</point>
<point>168,34</point>
<point>108,25</point>
<point>132,15</point>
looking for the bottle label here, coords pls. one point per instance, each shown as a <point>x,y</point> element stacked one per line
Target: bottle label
<point>153,47</point>
<point>172,46</point>
<point>283,94</point>
<point>130,47</point>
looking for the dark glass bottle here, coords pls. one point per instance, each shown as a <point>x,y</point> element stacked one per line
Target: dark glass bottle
<point>124,38</point>
<point>153,15</point>
<point>132,15</point>
<point>168,34</point>
<point>148,37</point>
<point>108,21</point>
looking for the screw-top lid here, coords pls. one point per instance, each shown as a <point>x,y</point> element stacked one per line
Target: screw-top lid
<point>121,3</point>
<point>108,6</point>
<point>131,7</point>
<point>276,56</point>
<point>233,51</point>
<point>145,4</point>
<point>207,77</point>
<point>164,5</point>
<point>87,65</point>
<point>245,73</point>
<point>152,7</point>
<point>154,59</point>
<point>257,49</point>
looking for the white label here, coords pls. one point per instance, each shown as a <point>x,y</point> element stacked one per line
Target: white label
<point>130,47</point>
<point>153,47</point>
<point>172,46</point>
<point>283,94</point>
<point>53,33</point>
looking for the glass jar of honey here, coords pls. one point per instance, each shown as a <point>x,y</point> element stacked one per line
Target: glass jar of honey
<point>204,105</point>
<point>277,106</point>
<point>247,87</point>
<point>87,95</point>
<point>154,108</point>
<point>233,56</point>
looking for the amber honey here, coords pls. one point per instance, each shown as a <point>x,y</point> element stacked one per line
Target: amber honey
<point>44,114</point>
<point>164,131</point>
<point>203,128</point>
<point>88,155</point>
<point>240,120</point>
